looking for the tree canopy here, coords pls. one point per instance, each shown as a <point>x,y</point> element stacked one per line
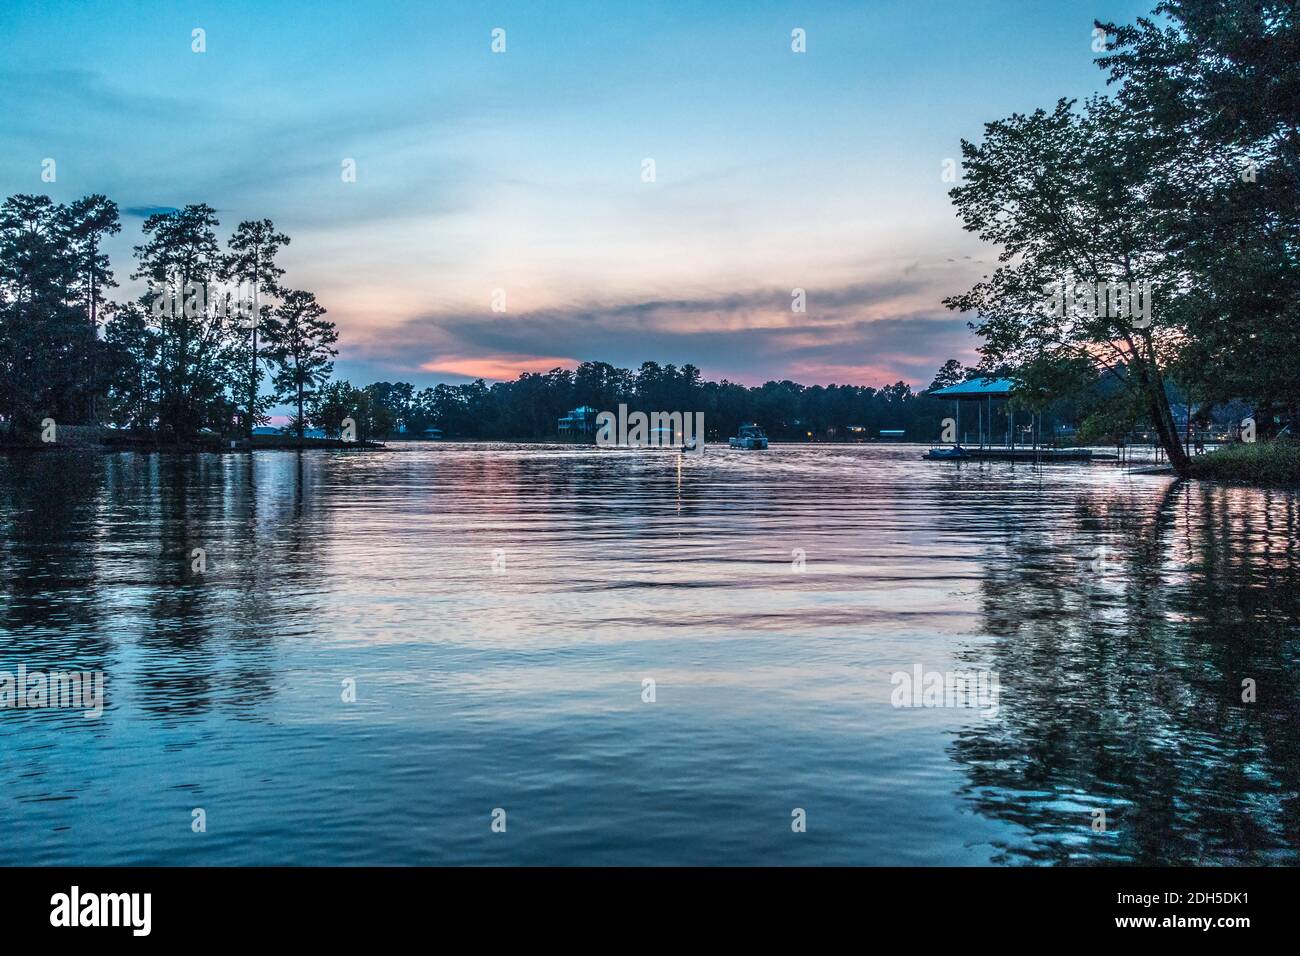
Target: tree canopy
<point>1180,187</point>
<point>180,360</point>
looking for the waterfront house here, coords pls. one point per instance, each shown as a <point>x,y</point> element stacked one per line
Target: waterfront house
<point>579,423</point>
<point>426,434</point>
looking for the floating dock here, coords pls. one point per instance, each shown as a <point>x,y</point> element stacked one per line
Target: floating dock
<point>1030,455</point>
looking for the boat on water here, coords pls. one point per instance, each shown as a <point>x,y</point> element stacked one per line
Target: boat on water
<point>955,453</point>
<point>748,436</point>
<point>670,440</point>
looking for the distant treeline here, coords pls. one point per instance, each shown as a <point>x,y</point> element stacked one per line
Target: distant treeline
<point>530,406</point>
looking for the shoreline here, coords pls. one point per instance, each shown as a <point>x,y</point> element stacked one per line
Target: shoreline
<point>1258,465</point>
<point>113,443</point>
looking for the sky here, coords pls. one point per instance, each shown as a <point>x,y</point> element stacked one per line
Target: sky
<point>518,179</point>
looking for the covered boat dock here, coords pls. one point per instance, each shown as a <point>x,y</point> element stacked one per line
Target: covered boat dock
<point>982,393</point>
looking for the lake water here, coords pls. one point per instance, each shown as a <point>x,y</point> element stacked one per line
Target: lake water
<point>500,609</point>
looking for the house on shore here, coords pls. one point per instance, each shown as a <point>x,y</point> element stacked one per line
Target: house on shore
<point>578,423</point>
<point>424,434</point>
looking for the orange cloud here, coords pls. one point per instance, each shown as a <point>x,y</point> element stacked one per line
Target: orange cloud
<point>502,368</point>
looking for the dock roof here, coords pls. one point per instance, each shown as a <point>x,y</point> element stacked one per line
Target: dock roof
<point>977,388</point>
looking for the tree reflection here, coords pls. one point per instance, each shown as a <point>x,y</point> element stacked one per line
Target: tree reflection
<point>97,572</point>
<point>1122,681</point>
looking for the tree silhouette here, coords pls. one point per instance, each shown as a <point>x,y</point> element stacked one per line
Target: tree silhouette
<point>301,346</point>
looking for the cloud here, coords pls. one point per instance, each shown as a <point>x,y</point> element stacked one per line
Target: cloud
<point>867,333</point>
<point>153,152</point>
<point>495,367</point>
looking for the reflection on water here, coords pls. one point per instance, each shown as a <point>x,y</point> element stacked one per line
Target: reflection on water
<point>1127,686</point>
<point>499,608</point>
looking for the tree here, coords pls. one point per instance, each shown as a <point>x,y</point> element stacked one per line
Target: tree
<point>330,405</point>
<point>1220,81</point>
<point>181,260</point>
<point>338,401</point>
<point>174,361</point>
<point>301,344</point>
<point>253,248</point>
<point>1073,200</point>
<point>601,385</point>
<point>88,221</point>
<point>1188,179</point>
<point>44,339</point>
<point>131,349</point>
<point>952,373</point>
<point>381,414</point>
<point>393,404</point>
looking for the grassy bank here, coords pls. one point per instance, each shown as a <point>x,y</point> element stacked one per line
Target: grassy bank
<point>1259,463</point>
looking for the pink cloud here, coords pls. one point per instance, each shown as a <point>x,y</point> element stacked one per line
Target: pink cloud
<point>502,368</point>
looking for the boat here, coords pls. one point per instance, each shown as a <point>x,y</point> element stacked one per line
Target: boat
<point>671,440</point>
<point>955,453</point>
<point>748,436</point>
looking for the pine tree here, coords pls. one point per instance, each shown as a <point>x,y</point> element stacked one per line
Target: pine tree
<point>88,221</point>
<point>301,344</point>
<point>182,262</point>
<point>251,260</point>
